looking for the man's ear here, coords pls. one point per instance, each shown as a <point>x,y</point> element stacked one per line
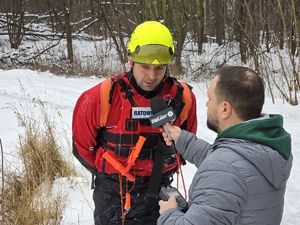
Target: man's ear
<point>129,64</point>
<point>226,109</point>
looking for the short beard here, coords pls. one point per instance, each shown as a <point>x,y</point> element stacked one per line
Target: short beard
<point>211,126</point>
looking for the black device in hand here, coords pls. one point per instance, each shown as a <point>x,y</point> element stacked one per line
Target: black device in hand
<point>167,191</point>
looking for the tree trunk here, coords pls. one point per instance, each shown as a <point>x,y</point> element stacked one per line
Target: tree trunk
<point>15,22</point>
<point>240,28</point>
<point>67,7</point>
<point>200,25</point>
<point>218,9</point>
<point>207,29</point>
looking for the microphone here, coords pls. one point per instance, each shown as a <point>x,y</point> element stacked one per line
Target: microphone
<point>161,114</point>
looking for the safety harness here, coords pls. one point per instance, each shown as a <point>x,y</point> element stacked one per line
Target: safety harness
<point>128,152</point>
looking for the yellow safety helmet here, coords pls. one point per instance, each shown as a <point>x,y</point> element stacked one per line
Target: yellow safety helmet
<point>151,43</point>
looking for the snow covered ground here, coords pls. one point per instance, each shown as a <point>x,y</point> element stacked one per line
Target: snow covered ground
<point>22,89</point>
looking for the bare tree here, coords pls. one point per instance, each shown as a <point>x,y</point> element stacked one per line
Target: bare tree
<point>67,8</point>
<point>113,15</point>
<point>219,17</point>
<point>239,20</point>
<point>15,10</point>
<point>198,24</point>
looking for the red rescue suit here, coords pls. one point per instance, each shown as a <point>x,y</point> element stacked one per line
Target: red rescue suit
<point>121,132</point>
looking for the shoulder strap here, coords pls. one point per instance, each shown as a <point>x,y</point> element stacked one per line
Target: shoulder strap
<point>105,92</point>
<point>187,100</point>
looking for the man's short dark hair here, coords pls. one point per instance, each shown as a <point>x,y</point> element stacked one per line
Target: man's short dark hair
<point>243,88</point>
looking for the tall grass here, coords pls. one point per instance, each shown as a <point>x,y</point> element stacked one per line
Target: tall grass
<point>27,196</point>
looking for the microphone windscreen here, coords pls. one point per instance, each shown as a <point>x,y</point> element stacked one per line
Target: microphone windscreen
<point>157,104</point>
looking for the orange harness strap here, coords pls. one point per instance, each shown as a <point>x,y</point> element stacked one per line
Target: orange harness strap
<point>130,161</point>
<point>118,166</point>
<point>104,101</point>
<point>135,153</point>
<point>187,99</point>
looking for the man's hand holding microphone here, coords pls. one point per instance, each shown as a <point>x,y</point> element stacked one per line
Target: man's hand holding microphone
<point>174,133</point>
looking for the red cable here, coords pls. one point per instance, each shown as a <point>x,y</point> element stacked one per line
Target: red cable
<point>179,170</point>
<point>122,201</point>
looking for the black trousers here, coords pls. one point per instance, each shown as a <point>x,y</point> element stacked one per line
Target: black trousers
<point>144,209</point>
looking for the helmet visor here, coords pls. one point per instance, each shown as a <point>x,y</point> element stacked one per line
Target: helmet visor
<point>153,54</point>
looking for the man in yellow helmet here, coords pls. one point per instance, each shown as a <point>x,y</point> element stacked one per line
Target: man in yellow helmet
<point>110,119</point>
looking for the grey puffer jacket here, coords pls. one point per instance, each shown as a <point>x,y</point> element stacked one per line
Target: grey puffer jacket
<point>238,181</point>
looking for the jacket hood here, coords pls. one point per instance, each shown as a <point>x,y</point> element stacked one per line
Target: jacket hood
<point>265,130</point>
<point>256,140</point>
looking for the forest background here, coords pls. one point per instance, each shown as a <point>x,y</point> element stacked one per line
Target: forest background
<point>263,34</point>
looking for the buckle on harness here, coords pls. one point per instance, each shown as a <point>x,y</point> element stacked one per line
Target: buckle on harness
<point>124,171</point>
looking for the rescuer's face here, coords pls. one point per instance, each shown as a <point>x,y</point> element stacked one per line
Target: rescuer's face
<point>148,76</point>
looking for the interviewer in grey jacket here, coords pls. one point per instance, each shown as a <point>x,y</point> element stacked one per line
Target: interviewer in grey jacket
<point>241,177</point>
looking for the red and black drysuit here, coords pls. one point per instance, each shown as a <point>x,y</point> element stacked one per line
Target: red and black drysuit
<point>118,137</point>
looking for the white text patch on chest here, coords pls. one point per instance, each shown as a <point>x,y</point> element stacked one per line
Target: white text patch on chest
<point>141,112</point>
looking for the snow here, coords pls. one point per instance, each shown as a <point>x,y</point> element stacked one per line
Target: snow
<point>21,90</point>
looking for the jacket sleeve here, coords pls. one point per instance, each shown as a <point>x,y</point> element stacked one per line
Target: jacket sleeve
<point>85,125</point>
<point>218,195</point>
<point>191,148</point>
<point>192,118</point>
